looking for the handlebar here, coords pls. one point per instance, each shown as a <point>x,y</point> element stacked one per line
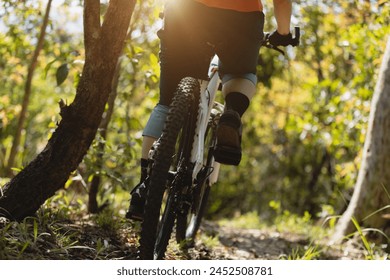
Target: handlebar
<point>293,42</point>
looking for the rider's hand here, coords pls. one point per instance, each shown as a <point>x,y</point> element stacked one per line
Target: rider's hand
<point>277,39</point>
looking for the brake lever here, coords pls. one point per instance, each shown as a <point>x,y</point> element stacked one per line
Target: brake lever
<point>277,49</point>
<point>294,41</point>
<point>267,44</point>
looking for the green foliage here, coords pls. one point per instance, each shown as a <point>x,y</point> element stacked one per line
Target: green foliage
<point>107,221</point>
<point>210,241</point>
<point>303,135</point>
<point>19,29</point>
<point>248,220</point>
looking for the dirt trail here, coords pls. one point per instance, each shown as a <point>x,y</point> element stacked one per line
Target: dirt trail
<point>219,243</point>
<point>250,244</point>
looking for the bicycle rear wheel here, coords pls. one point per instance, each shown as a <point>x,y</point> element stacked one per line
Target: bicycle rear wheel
<point>188,223</point>
<point>160,214</point>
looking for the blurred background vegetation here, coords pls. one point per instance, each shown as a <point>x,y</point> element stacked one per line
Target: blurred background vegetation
<point>302,136</point>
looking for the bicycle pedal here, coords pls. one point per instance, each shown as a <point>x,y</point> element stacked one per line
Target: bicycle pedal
<point>227,155</point>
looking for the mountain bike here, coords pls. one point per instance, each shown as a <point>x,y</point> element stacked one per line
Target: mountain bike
<point>182,167</point>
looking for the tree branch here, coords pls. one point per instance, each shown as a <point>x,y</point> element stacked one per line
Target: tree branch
<point>111,25</point>
<point>91,26</point>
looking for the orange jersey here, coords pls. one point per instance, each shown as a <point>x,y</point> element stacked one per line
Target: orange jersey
<point>237,5</point>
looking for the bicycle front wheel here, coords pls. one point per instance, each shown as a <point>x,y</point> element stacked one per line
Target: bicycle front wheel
<point>159,213</point>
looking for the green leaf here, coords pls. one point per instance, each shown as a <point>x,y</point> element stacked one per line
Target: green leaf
<point>48,66</point>
<point>62,73</point>
<point>35,230</point>
<point>77,78</point>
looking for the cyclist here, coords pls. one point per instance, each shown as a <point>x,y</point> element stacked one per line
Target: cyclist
<point>193,32</point>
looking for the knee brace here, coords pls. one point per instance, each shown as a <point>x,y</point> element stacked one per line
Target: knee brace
<point>245,84</point>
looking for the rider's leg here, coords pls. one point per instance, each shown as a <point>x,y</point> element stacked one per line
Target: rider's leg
<point>182,53</point>
<point>151,132</point>
<point>238,50</point>
<point>238,92</point>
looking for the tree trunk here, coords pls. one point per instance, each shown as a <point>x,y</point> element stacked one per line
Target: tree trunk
<point>49,171</point>
<point>93,206</point>
<point>372,188</point>
<point>27,92</point>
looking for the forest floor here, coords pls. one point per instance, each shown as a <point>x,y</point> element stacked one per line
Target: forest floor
<point>52,236</point>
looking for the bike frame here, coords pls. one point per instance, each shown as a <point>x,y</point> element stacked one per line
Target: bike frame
<point>208,91</point>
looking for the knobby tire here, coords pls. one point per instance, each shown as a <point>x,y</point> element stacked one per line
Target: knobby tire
<point>156,231</point>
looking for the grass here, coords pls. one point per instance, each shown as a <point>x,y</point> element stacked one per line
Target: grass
<point>372,250</point>
<point>309,253</point>
<point>246,221</point>
<point>62,229</point>
<point>210,241</point>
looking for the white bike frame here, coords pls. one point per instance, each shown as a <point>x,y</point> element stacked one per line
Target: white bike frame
<point>208,91</point>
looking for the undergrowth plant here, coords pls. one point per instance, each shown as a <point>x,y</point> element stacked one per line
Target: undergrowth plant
<point>372,249</point>
<point>62,229</point>
<point>311,252</point>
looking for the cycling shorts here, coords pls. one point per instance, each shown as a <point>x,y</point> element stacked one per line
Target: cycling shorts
<point>193,33</point>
